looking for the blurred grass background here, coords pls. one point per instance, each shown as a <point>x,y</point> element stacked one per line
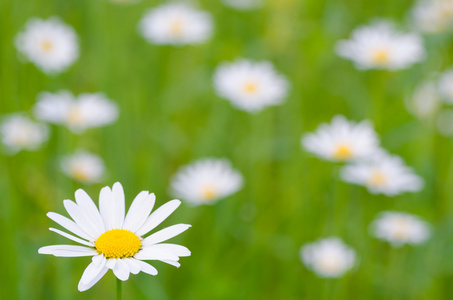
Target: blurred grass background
<point>246,246</point>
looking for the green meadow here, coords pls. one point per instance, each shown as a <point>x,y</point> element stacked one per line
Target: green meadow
<point>247,245</point>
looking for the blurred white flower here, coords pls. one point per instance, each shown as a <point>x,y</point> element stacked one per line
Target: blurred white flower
<point>445,122</point>
<point>50,44</point>
<point>250,86</point>
<point>328,257</point>
<point>400,228</point>
<point>83,166</point>
<point>383,174</point>
<point>380,46</point>
<point>176,24</point>
<point>424,103</point>
<point>342,140</point>
<point>206,181</point>
<point>87,111</point>
<point>116,241</point>
<point>446,86</point>
<point>243,4</point>
<point>433,16</point>
<point>18,132</point>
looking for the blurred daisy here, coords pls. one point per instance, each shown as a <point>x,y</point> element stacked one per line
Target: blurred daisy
<point>400,228</point>
<point>445,123</point>
<point>243,4</point>
<point>446,86</point>
<point>250,86</point>
<point>433,16</point>
<point>425,101</point>
<point>87,111</point>
<point>176,24</point>
<point>383,174</point>
<point>18,132</point>
<point>380,46</point>
<point>342,140</point>
<point>328,257</point>
<point>50,44</point>
<point>206,181</point>
<point>84,167</point>
<point>116,241</point>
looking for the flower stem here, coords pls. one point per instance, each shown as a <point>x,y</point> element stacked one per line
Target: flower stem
<point>119,290</point>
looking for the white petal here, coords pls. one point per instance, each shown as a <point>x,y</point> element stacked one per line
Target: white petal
<point>81,219</point>
<point>155,254</point>
<point>71,237</point>
<point>83,287</point>
<point>138,212</point>
<point>69,225</point>
<point>93,269</point>
<point>87,205</point>
<point>119,205</point>
<point>165,234</point>
<point>134,267</point>
<point>106,207</point>
<point>172,262</point>
<point>172,248</point>
<point>158,216</point>
<point>146,268</point>
<point>111,263</point>
<point>121,270</point>
<point>67,251</point>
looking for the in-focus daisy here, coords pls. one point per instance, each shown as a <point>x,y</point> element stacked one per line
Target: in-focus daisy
<point>206,181</point>
<point>383,174</point>
<point>18,132</point>
<point>78,114</point>
<point>328,257</point>
<point>446,86</point>
<point>250,86</point>
<point>380,46</point>
<point>433,16</point>
<point>424,103</point>
<point>399,228</point>
<point>116,241</point>
<point>176,24</point>
<point>83,166</point>
<point>342,140</point>
<point>243,4</point>
<point>50,44</point>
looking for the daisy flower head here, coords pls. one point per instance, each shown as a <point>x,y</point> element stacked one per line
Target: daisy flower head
<point>383,174</point>
<point>250,86</point>
<point>432,16</point>
<point>84,167</point>
<point>114,240</point>
<point>425,102</point>
<point>446,86</point>
<point>399,228</point>
<point>328,258</point>
<point>176,24</point>
<point>243,4</point>
<point>50,44</point>
<point>206,181</point>
<point>342,140</point>
<point>18,132</point>
<point>381,46</point>
<point>78,114</point>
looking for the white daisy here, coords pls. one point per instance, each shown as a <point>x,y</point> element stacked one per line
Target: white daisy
<point>206,181</point>
<point>342,140</point>
<point>83,166</point>
<point>383,174</point>
<point>433,16</point>
<point>243,4</point>
<point>18,132</point>
<point>380,46</point>
<point>176,24</point>
<point>328,257</point>
<point>446,86</point>
<point>50,44</point>
<point>400,228</point>
<point>87,111</point>
<point>116,241</point>
<point>424,103</point>
<point>250,86</point>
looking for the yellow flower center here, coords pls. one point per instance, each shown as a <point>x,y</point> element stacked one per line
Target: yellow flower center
<point>250,87</point>
<point>377,179</point>
<point>176,27</point>
<point>75,116</point>
<point>209,193</point>
<point>118,243</point>
<point>343,152</point>
<point>79,173</point>
<point>401,229</point>
<point>381,56</point>
<point>47,46</point>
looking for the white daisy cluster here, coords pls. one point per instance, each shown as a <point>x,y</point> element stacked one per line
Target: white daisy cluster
<point>433,16</point>
<point>116,240</point>
<point>250,86</point>
<point>399,228</point>
<point>381,46</point>
<point>370,166</point>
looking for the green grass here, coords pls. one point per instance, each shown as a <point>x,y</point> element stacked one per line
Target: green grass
<point>246,246</point>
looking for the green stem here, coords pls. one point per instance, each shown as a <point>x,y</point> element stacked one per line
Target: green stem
<point>119,290</point>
